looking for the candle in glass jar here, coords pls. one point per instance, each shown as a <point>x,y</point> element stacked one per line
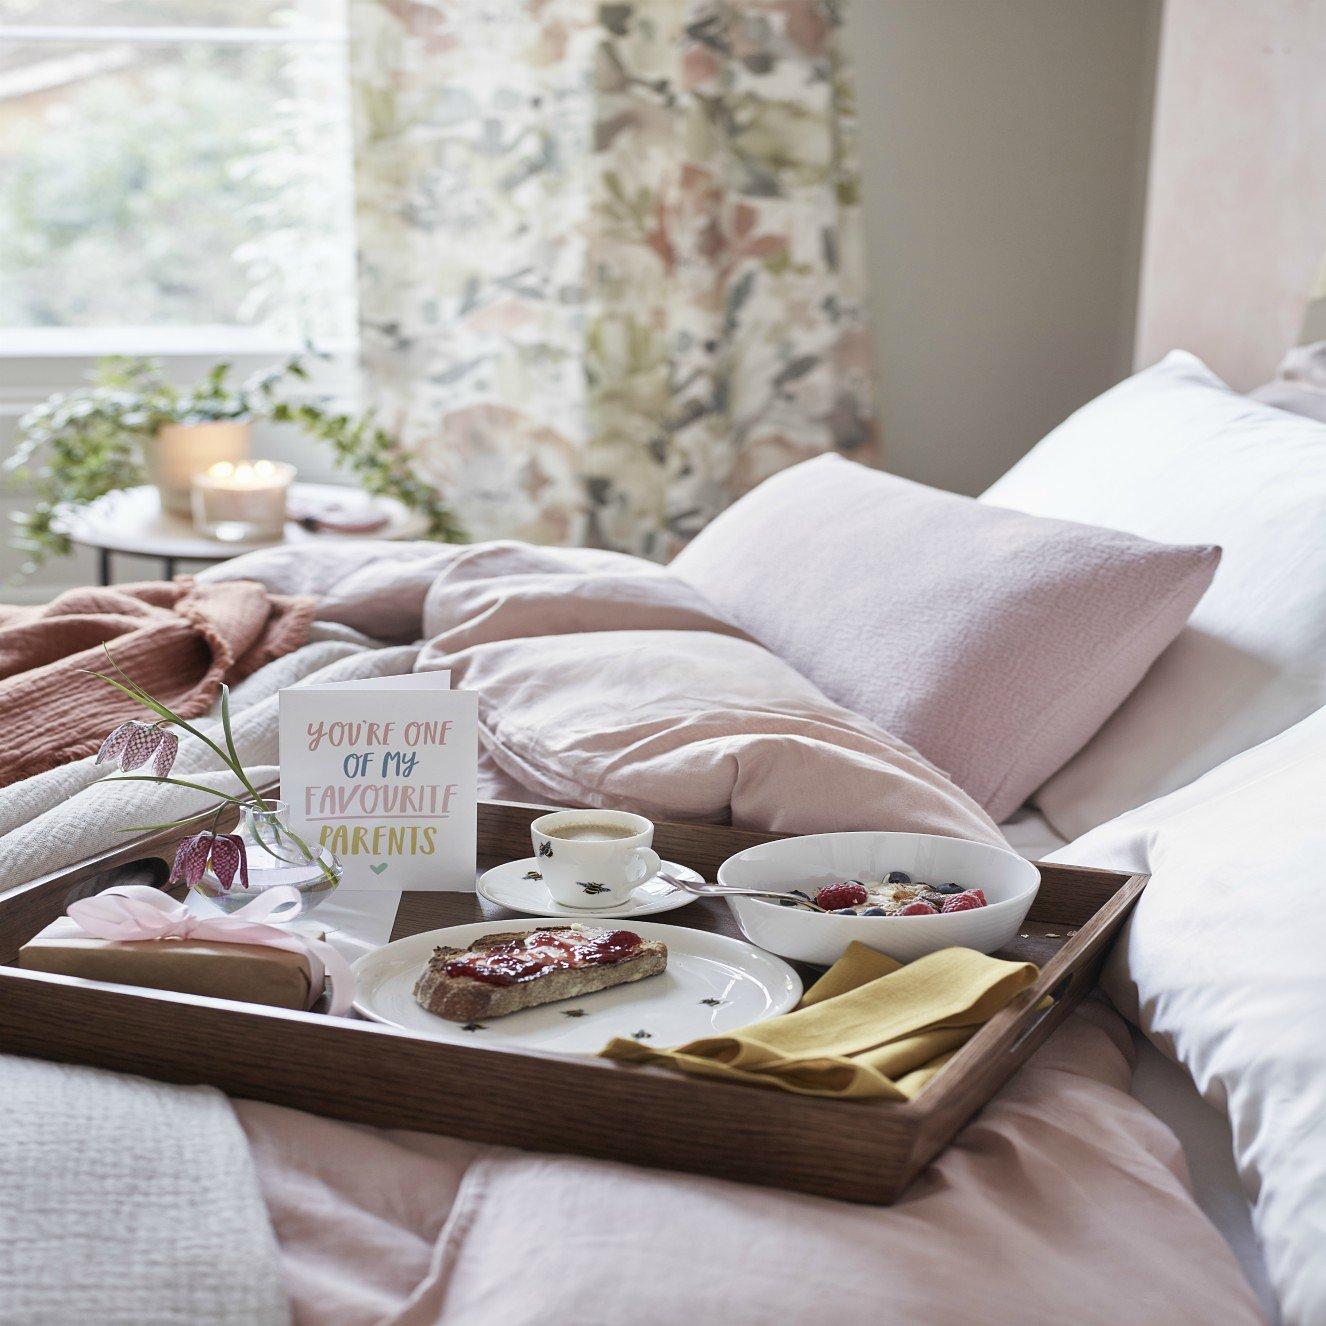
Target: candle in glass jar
<point>242,502</point>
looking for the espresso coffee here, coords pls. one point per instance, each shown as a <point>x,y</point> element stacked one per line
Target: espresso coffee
<point>588,831</point>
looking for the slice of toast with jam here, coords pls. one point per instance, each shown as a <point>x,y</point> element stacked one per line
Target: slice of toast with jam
<point>506,971</point>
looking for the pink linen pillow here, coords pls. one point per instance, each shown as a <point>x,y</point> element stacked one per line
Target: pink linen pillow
<point>994,642</point>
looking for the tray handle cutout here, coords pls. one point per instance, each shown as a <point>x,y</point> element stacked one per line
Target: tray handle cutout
<point>1050,1001</point>
<point>151,871</point>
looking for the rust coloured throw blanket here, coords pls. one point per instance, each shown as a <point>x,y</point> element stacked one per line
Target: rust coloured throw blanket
<point>179,640</point>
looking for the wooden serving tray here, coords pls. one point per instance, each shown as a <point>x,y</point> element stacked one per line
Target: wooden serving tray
<point>860,1151</point>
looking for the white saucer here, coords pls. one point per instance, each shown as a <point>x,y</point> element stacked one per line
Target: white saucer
<point>518,885</point>
<point>712,984</point>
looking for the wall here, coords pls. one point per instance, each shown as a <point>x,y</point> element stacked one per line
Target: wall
<point>1004,147</point>
<point>1236,221</point>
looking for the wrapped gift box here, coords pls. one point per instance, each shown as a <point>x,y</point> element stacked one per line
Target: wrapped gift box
<point>252,972</point>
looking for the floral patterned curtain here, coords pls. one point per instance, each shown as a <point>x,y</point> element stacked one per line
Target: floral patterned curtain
<point>610,263</point>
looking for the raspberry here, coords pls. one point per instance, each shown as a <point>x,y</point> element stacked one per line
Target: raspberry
<point>833,896</point>
<point>964,902</point>
<point>917,908</point>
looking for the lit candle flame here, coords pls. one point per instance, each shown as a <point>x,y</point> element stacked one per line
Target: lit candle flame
<point>259,474</point>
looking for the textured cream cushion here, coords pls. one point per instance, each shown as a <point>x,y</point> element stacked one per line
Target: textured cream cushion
<point>995,643</point>
<point>1223,965</point>
<point>1174,454</point>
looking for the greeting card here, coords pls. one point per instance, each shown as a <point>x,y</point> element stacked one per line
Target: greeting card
<point>383,773</point>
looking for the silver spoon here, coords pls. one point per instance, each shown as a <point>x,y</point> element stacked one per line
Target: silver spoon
<point>725,891</point>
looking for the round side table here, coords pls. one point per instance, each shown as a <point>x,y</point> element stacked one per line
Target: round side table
<point>132,522</point>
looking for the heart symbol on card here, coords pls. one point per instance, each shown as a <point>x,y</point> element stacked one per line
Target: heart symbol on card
<point>380,867</point>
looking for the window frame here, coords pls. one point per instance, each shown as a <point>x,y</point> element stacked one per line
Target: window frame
<point>37,362</point>
<point>34,362</point>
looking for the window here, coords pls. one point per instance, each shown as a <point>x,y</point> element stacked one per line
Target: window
<point>174,175</point>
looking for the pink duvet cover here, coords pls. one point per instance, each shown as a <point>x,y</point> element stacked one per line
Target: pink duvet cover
<point>603,680</point>
<point>1064,1200</point>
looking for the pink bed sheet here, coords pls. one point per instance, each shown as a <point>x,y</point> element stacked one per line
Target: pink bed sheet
<point>1064,1200</point>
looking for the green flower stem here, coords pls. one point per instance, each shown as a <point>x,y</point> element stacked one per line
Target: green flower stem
<point>229,755</point>
<point>299,843</point>
<point>136,692</point>
<point>308,857</point>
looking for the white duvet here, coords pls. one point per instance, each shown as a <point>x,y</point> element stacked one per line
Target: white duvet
<point>1223,965</point>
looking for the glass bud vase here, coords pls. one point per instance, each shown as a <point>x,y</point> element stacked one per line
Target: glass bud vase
<point>276,855</point>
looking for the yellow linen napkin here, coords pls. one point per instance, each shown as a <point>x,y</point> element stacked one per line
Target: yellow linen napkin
<point>869,1027</point>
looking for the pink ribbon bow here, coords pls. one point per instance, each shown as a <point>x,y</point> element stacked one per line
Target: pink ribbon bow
<point>137,911</point>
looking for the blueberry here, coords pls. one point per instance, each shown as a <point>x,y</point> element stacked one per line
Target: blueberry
<point>898,877</point>
<point>874,911</point>
<point>947,888</point>
<point>844,911</point>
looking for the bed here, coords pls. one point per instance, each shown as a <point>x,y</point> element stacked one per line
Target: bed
<point>1070,1187</point>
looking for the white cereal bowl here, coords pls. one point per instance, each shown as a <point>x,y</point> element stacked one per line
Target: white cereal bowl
<point>1008,881</point>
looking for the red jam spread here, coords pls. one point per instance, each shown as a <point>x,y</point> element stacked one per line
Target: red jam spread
<point>543,951</point>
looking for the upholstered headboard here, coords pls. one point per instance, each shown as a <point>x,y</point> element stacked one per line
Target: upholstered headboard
<point>1236,207</point>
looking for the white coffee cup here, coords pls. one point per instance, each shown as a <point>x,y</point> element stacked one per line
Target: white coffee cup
<point>592,859</point>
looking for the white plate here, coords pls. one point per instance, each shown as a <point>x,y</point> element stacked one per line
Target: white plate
<point>515,885</point>
<point>712,984</point>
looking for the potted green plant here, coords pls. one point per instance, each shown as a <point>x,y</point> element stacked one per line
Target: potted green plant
<point>130,424</point>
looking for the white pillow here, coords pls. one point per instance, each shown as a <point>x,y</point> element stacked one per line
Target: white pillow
<point>1174,455</point>
<point>1223,965</point>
